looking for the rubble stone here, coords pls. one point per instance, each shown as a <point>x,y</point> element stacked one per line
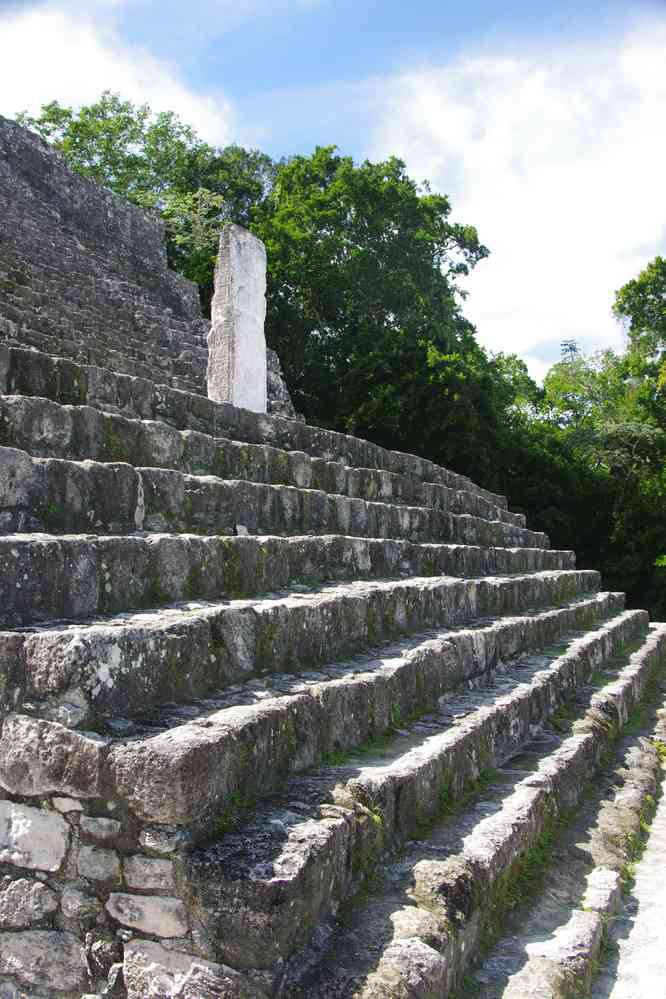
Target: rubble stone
<point>31,837</point>
<point>101,829</point>
<point>24,903</point>
<point>148,873</point>
<point>159,915</point>
<point>98,864</point>
<point>44,958</point>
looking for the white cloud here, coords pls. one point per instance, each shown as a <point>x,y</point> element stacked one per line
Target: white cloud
<point>50,53</point>
<point>559,159</point>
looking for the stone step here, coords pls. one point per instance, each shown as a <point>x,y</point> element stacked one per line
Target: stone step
<point>187,763</point>
<point>288,869</point>
<point>207,504</point>
<point>558,933</point>
<point>33,373</point>
<point>139,872</point>
<point>425,921</point>
<point>159,365</point>
<point>85,331</point>
<point>87,334</point>
<point>62,496</point>
<point>90,288</point>
<point>46,429</point>
<point>119,665</point>
<point>30,312</point>
<point>71,576</point>
<point>248,738</point>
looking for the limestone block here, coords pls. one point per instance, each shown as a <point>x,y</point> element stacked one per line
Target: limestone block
<point>24,903</point>
<point>76,904</point>
<point>148,873</point>
<point>161,840</point>
<point>279,400</point>
<point>165,917</point>
<point>30,837</point>
<point>23,481</point>
<point>46,958</point>
<point>101,829</point>
<point>66,805</point>
<point>152,971</point>
<point>236,343</point>
<point>409,967</point>
<point>604,891</point>
<point>42,757</point>
<point>98,864</point>
<point>580,936</point>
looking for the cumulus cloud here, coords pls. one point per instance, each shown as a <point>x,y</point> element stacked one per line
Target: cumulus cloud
<point>60,53</point>
<point>559,158</point>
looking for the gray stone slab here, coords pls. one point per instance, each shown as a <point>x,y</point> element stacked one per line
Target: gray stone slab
<point>236,343</point>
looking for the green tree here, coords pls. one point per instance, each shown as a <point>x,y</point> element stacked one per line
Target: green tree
<point>363,305</point>
<point>120,145</point>
<point>193,221</point>
<point>641,305</point>
<point>605,405</point>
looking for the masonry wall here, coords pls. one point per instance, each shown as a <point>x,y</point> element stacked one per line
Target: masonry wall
<point>84,275</point>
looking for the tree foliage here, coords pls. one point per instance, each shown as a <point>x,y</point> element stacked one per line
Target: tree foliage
<point>363,305</point>
<point>123,146</point>
<point>612,407</point>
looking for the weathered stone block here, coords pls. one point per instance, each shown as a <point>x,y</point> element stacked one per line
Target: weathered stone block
<point>101,829</point>
<point>98,864</point>
<point>161,916</point>
<point>45,958</point>
<point>161,839</point>
<point>148,873</point>
<point>152,971</point>
<point>30,837</point>
<point>40,757</point>
<point>66,805</point>
<point>76,904</point>
<point>24,903</point>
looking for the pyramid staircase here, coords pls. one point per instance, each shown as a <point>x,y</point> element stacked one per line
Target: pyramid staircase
<point>283,713</point>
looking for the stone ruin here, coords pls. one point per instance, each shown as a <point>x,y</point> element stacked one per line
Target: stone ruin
<point>248,666</point>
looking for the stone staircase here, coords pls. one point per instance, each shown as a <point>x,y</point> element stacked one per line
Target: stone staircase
<point>241,678</point>
<point>83,274</point>
<point>284,714</point>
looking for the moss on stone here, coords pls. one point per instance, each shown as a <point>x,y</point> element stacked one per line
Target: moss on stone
<point>113,446</point>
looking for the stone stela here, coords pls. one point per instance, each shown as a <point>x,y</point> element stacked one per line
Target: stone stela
<point>236,342</point>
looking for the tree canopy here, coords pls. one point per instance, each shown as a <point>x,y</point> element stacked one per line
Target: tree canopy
<point>365,310</point>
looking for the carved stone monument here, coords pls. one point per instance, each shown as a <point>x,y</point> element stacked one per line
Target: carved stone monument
<point>236,342</point>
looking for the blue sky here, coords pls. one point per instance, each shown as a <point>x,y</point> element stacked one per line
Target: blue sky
<point>314,44</point>
<point>542,120</point>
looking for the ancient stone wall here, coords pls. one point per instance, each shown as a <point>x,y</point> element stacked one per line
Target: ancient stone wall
<point>83,275</point>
